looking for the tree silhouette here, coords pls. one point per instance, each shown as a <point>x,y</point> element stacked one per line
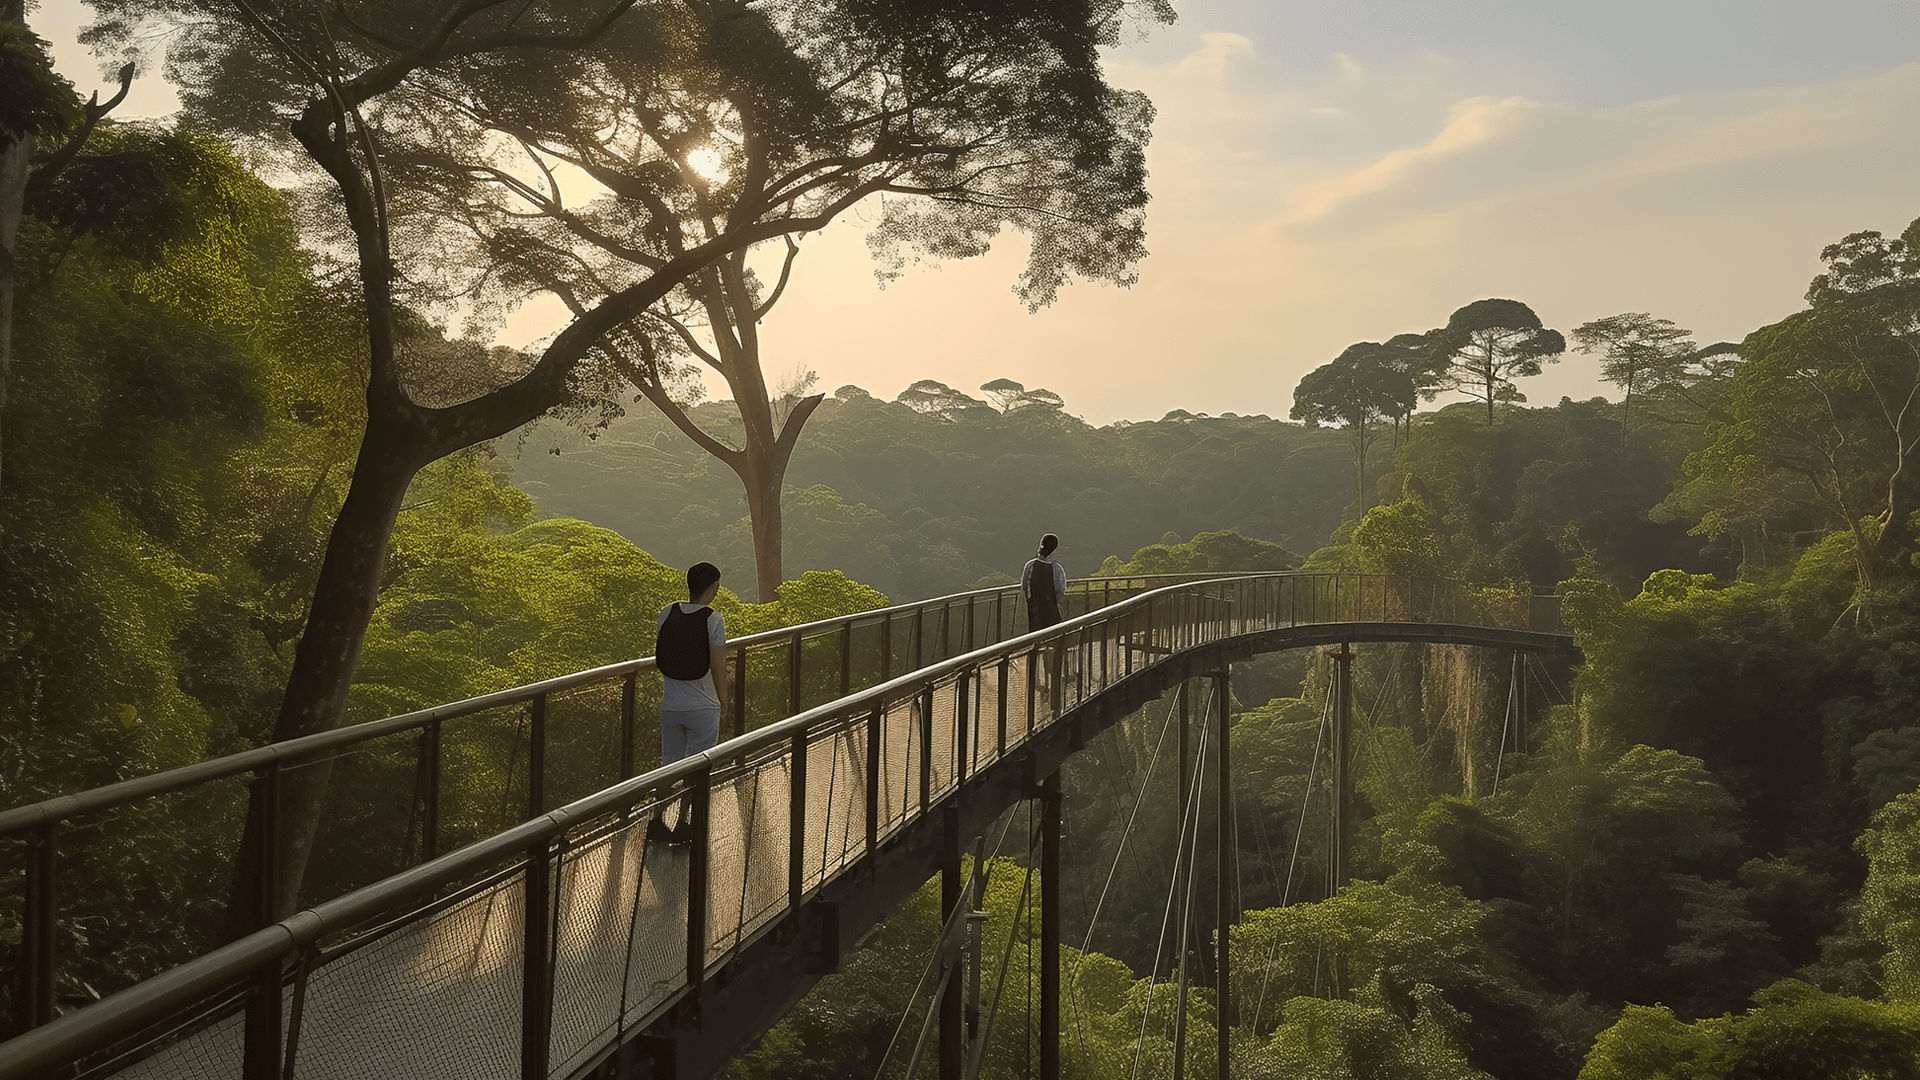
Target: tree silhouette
<point>1362,385</point>
<point>1640,354</point>
<point>1488,344</point>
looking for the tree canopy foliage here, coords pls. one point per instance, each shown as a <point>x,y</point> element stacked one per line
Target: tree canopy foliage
<point>919,502</point>
<point>1488,344</point>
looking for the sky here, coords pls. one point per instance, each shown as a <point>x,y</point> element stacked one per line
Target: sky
<point>1330,172</point>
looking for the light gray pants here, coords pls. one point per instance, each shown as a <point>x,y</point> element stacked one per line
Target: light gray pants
<point>689,732</point>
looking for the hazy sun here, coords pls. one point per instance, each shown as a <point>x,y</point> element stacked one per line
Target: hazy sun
<point>708,164</point>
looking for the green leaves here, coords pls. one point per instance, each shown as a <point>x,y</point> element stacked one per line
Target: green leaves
<point>34,99</point>
<point>1793,1031</point>
<point>1889,911</point>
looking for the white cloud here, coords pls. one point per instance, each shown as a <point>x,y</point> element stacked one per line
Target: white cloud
<point>1292,217</point>
<point>1471,124</point>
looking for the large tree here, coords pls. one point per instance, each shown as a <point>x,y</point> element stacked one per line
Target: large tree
<point>1488,344</point>
<point>959,120</point>
<point>1641,354</point>
<point>1826,403</point>
<point>652,140</point>
<point>1363,385</point>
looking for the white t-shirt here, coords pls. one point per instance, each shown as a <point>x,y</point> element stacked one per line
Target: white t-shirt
<point>681,695</point>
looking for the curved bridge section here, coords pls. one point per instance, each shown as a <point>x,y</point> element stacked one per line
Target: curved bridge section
<point>570,945</point>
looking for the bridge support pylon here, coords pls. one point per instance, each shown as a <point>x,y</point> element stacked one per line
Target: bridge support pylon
<point>953,1050</point>
<point>1050,893</point>
<point>1342,830</point>
<point>1227,911</point>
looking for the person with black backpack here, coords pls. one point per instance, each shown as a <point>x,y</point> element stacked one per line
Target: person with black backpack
<point>1041,583</point>
<point>690,648</point>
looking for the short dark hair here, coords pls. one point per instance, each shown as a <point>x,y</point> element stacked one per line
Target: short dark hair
<point>1047,544</point>
<point>700,576</point>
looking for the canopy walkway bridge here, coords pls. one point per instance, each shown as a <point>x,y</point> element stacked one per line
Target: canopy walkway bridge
<point>482,899</point>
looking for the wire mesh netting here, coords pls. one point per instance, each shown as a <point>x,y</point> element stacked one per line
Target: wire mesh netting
<point>143,888</point>
<point>383,1008</point>
<point>836,801</point>
<point>612,965</point>
<point>747,849</point>
<point>585,731</point>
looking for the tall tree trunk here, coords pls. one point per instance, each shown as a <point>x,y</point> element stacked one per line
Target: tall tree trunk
<point>763,513</point>
<point>1360,464</point>
<point>14,162</point>
<point>349,583</point>
<point>762,468</point>
<point>1895,548</point>
<point>316,695</point>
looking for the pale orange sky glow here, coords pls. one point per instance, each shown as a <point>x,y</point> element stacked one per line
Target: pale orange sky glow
<point>1324,176</point>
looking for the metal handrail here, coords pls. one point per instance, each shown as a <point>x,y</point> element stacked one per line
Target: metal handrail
<point>308,747</point>
<point>1115,629</point>
<point>39,829</point>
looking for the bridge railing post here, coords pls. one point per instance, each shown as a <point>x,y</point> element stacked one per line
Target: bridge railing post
<point>1000,712</point>
<point>925,698</point>
<point>39,930</point>
<point>260,1054</point>
<point>699,854</point>
<point>961,717</point>
<point>794,675</point>
<point>431,763</point>
<point>875,728</point>
<point>537,756</point>
<point>796,823</point>
<point>629,721</point>
<point>536,962</point>
<point>846,658</point>
<point>740,682</point>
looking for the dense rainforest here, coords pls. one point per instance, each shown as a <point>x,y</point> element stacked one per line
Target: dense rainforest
<point>1696,854</point>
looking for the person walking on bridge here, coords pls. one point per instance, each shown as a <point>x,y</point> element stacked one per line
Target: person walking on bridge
<point>690,647</point>
<point>1042,583</point>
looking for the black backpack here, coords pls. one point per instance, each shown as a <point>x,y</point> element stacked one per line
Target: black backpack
<point>1040,583</point>
<point>680,648</point>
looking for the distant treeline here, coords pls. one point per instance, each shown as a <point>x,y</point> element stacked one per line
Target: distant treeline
<point>921,501</point>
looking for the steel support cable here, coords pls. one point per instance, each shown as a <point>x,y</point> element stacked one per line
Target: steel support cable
<point>1117,781</point>
<point>1286,894</point>
<point>1190,811</point>
<point>1545,680</point>
<point>1186,929</point>
<point>1370,719</point>
<point>1153,765</point>
<point>933,965</point>
<point>1506,727</point>
<point>1006,960</point>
